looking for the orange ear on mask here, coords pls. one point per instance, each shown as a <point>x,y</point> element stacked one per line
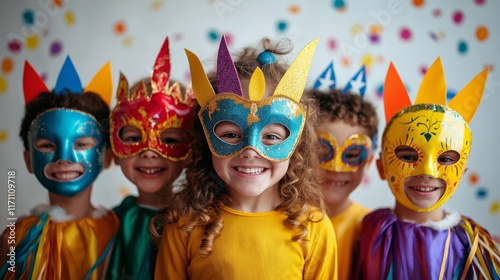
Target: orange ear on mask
<point>380,169</point>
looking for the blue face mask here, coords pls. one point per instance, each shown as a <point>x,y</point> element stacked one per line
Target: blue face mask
<point>63,127</point>
<point>252,117</point>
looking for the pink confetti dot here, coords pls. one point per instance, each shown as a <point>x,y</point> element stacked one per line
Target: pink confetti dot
<point>332,44</point>
<point>14,46</point>
<point>480,2</point>
<point>229,39</point>
<point>458,17</point>
<point>405,34</point>
<point>423,70</point>
<point>436,13</point>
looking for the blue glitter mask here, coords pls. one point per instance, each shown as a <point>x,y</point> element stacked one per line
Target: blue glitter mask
<point>252,117</point>
<point>63,127</point>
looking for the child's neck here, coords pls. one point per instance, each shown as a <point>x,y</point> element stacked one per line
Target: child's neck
<point>265,202</point>
<point>78,205</point>
<point>156,200</point>
<point>334,209</point>
<point>404,213</point>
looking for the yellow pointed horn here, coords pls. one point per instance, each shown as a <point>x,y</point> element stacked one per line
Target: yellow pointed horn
<point>294,81</point>
<point>433,86</point>
<point>202,88</point>
<point>102,83</point>
<point>467,100</point>
<point>257,85</point>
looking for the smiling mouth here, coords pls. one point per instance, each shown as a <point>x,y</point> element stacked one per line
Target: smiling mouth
<point>250,171</point>
<point>423,189</point>
<point>65,176</point>
<point>151,170</point>
<point>337,183</point>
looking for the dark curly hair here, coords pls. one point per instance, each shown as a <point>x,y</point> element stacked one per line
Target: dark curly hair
<point>204,193</point>
<point>87,102</point>
<point>348,107</point>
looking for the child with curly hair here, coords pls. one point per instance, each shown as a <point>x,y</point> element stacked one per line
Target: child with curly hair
<point>251,207</point>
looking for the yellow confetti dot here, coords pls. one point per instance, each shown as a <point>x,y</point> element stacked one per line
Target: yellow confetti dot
<point>124,191</point>
<point>482,33</point>
<point>3,135</point>
<point>3,84</point>
<point>127,42</point>
<point>367,60</point>
<point>356,29</point>
<point>32,42</point>
<point>156,5</point>
<point>495,206</point>
<point>69,17</point>
<point>375,29</point>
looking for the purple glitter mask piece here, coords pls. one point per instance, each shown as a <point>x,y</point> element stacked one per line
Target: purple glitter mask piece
<point>227,77</point>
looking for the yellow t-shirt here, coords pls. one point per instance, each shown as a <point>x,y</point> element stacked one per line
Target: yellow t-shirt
<point>251,246</point>
<point>347,227</point>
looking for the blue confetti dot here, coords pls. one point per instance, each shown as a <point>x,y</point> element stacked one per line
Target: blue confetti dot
<point>213,35</point>
<point>338,4</point>
<point>462,47</point>
<point>282,26</point>
<point>380,90</point>
<point>29,17</point>
<point>450,94</point>
<point>482,193</point>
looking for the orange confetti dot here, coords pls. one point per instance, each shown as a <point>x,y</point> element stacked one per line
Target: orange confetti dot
<point>345,61</point>
<point>156,5</point>
<point>474,178</point>
<point>482,33</point>
<point>375,29</point>
<point>7,65</point>
<point>418,3</point>
<point>57,3</point>
<point>294,9</point>
<point>124,191</point>
<point>119,28</point>
<point>69,17</point>
<point>3,135</point>
<point>495,206</point>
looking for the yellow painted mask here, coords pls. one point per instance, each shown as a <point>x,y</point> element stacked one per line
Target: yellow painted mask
<point>430,128</point>
<point>349,156</point>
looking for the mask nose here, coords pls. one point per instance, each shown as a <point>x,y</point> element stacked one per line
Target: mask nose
<point>65,152</point>
<point>427,167</point>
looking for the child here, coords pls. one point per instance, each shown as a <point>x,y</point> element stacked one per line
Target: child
<point>347,130</point>
<point>251,207</point>
<point>150,136</point>
<point>424,154</point>
<point>65,139</point>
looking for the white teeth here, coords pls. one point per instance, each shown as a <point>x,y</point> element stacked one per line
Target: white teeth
<point>150,170</point>
<point>250,171</point>
<point>66,176</point>
<point>429,189</point>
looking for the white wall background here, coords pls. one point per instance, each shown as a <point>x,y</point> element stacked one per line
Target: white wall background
<point>45,31</point>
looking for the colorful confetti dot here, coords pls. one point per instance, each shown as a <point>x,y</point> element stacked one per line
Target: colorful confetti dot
<point>462,47</point>
<point>345,61</point>
<point>433,36</point>
<point>380,90</point>
<point>367,60</point>
<point>119,27</point>
<point>450,94</point>
<point>69,18</point>
<point>156,5</point>
<point>495,207</point>
<point>338,4</point>
<point>356,29</point>
<point>405,34</point>
<point>482,33</point>
<point>32,41</point>
<point>229,39</point>
<point>473,178</point>
<point>422,70</point>
<point>7,65</point>
<point>376,29</point>
<point>3,135</point>
<point>3,84</point>
<point>374,38</point>
<point>457,17</point>
<point>124,191</point>
<point>282,26</point>
<point>213,35</point>
<point>332,44</point>
<point>57,3</point>
<point>436,13</point>
<point>28,17</point>
<point>55,48</point>
<point>294,9</point>
<point>14,46</point>
<point>482,193</point>
<point>418,3</point>
<point>127,42</point>
<point>480,2</point>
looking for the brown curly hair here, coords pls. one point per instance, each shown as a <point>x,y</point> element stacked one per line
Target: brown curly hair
<point>348,107</point>
<point>204,193</point>
<point>87,102</point>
